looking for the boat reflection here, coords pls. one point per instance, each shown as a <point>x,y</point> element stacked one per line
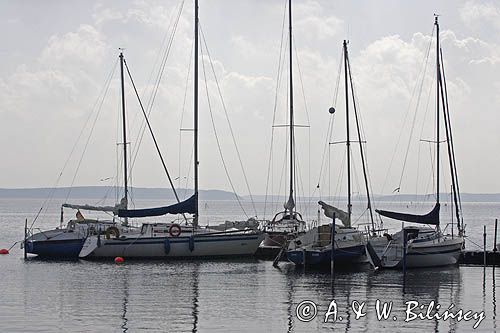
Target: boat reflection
<point>443,286</point>
<point>124,326</point>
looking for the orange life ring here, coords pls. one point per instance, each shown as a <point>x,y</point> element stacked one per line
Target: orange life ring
<point>175,230</point>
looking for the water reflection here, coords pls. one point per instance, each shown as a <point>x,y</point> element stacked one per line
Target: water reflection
<point>125,300</point>
<point>494,299</point>
<point>441,285</point>
<point>289,309</point>
<point>196,295</point>
<point>218,296</point>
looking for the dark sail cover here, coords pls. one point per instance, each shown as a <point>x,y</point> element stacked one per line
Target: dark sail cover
<point>430,218</point>
<point>186,206</point>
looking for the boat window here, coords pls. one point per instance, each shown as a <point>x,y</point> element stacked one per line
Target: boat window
<point>413,234</point>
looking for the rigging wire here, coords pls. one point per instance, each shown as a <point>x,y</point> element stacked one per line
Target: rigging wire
<point>278,82</point>
<point>217,136</point>
<point>228,121</point>
<point>88,140</point>
<point>151,132</point>
<point>154,92</point>
<point>301,81</point>
<point>419,146</point>
<point>453,165</point>
<point>424,70</point>
<point>329,132</point>
<point>182,119</point>
<point>360,131</point>
<point>414,116</point>
<point>96,107</point>
<point>340,179</point>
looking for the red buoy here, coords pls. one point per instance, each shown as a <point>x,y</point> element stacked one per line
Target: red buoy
<point>119,260</point>
<point>4,251</point>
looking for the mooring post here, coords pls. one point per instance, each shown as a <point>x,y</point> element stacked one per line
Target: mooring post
<point>25,237</point>
<point>484,246</point>
<point>404,255</point>
<point>332,239</point>
<point>495,242</point>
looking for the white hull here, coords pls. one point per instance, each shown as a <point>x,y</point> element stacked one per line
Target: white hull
<point>203,245</point>
<point>442,251</point>
<point>440,254</point>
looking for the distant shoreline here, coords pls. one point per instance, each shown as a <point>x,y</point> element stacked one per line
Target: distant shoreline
<point>99,192</point>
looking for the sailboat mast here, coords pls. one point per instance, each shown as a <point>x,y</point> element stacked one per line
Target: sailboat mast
<point>291,103</point>
<point>363,162</point>
<point>124,125</point>
<point>195,128</point>
<point>438,75</point>
<point>348,140</point>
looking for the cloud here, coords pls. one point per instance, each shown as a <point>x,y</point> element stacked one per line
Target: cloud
<point>86,45</point>
<point>104,15</point>
<point>142,12</point>
<point>312,22</point>
<point>61,74</point>
<point>51,90</point>
<point>473,12</point>
<point>244,90</point>
<point>388,67</point>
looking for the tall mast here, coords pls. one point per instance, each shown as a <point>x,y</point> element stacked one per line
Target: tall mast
<point>195,128</point>
<point>363,162</point>
<point>290,199</point>
<point>348,140</point>
<point>125,174</point>
<point>438,75</point>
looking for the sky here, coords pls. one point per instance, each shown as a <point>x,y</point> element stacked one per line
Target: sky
<point>56,57</point>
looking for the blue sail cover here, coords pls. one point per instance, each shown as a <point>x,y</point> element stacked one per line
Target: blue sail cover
<point>430,218</point>
<point>186,206</point>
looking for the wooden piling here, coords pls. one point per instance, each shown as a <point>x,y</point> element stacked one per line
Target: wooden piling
<point>332,257</point>
<point>495,242</point>
<point>484,246</point>
<point>404,256</point>
<point>25,237</point>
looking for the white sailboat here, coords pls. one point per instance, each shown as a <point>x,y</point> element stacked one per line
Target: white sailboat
<point>314,248</point>
<point>171,240</point>
<point>67,242</point>
<point>424,246</point>
<point>287,224</point>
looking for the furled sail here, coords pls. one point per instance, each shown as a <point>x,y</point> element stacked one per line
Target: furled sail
<point>430,218</point>
<point>187,206</point>
<point>339,214</point>
<point>113,209</point>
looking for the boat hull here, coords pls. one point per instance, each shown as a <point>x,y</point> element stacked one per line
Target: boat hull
<point>433,256</point>
<point>201,246</point>
<point>322,257</point>
<point>60,249</point>
<point>440,252</point>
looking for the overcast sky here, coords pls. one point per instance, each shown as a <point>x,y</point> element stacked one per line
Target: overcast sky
<point>56,56</point>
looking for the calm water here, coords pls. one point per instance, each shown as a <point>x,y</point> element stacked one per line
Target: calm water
<point>225,296</point>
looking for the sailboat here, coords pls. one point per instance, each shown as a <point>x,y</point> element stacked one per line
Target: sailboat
<point>171,240</point>
<point>288,223</point>
<point>315,247</point>
<point>419,246</point>
<point>67,242</point>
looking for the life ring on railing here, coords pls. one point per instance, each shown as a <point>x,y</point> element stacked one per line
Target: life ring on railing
<point>175,230</point>
<point>112,231</point>
<point>71,225</point>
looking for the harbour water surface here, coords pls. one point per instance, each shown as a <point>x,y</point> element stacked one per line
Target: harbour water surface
<point>224,296</point>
